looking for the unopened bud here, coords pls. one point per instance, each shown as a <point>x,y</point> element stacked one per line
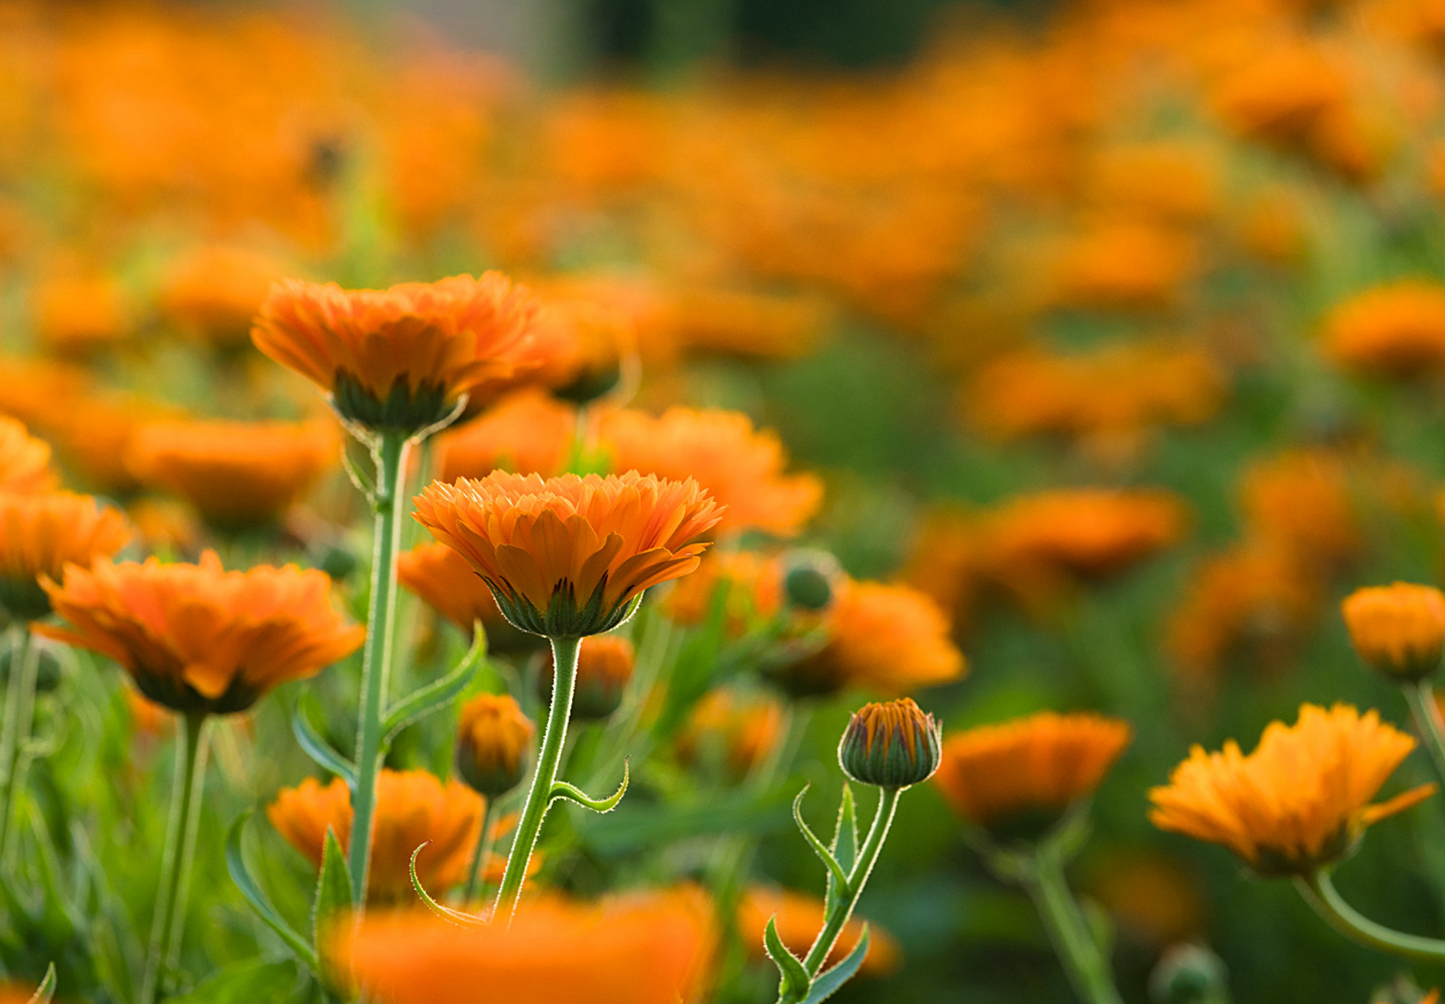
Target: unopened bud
<point>493,740</point>
<point>1398,630</point>
<point>810,580</point>
<point>1189,974</point>
<point>892,745</point>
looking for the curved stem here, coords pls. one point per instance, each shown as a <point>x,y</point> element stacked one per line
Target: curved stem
<point>1421,697</point>
<point>1086,965</point>
<point>169,923</point>
<point>19,719</point>
<point>483,851</point>
<point>1320,892</point>
<point>539,796</point>
<point>376,660</point>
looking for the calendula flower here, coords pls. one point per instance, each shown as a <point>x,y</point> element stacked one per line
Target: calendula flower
<point>1301,800</point>
<point>567,556</point>
<point>739,466</point>
<point>730,732</point>
<point>493,741</point>
<point>752,590</point>
<point>40,533</point>
<point>1124,265</point>
<point>799,919</point>
<point>892,745</point>
<point>744,324</point>
<point>1395,330</point>
<point>94,432</point>
<point>413,808</point>
<point>1398,630</point>
<point>24,460</point>
<point>398,358</point>
<point>1281,95</point>
<point>527,432</point>
<point>443,578</point>
<point>604,669</point>
<point>1308,501</point>
<point>236,474</point>
<point>652,948</point>
<point>1019,778</point>
<point>201,640</point>
<point>213,291</point>
<point>77,312</point>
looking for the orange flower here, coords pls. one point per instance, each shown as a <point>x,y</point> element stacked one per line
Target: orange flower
<point>236,474</point>
<point>201,640</point>
<point>567,556</point>
<point>75,313</point>
<point>886,638</point>
<point>754,590</point>
<point>1395,330</point>
<point>493,739</point>
<point>41,533</point>
<point>740,467</point>
<point>398,358</point>
<point>444,579</point>
<point>413,808</point>
<point>1300,800</point>
<point>799,919</point>
<point>652,948</point>
<point>24,461</point>
<point>212,292</point>
<point>1150,895</point>
<point>1398,630</point>
<point>1281,95</point>
<point>94,434</point>
<point>1307,501</point>
<point>1020,777</point>
<point>1123,265</point>
<point>730,732</point>
<point>527,432</point>
<point>746,324</point>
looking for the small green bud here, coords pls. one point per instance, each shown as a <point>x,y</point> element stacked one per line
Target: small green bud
<point>809,580</point>
<point>892,745</point>
<point>1188,974</point>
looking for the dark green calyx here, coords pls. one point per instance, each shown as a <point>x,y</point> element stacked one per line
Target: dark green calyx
<point>405,410</point>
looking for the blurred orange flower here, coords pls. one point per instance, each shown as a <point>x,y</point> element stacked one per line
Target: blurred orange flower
<point>730,731</point>
<point>1307,501</point>
<point>24,460</point>
<point>494,739</point>
<point>745,324</point>
<point>799,919</point>
<point>604,669</point>
<point>526,432</point>
<point>212,292</point>
<point>94,432</point>
<point>443,578</point>
<point>1397,630</point>
<point>41,533</point>
<point>1395,330</point>
<point>1123,265</point>
<point>75,313</point>
<point>752,583</point>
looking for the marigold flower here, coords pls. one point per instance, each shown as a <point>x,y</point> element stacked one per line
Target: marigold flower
<point>24,460</point>
<point>1019,778</point>
<point>752,583</point>
<point>413,808</point>
<point>1308,501</point>
<point>94,433</point>
<point>892,745</point>
<point>740,467</point>
<point>1124,265</point>
<point>567,556</point>
<point>1300,800</point>
<point>652,948</point>
<point>40,533</point>
<point>444,579</point>
<point>398,358</point>
<point>730,730</point>
<point>236,474</point>
<point>493,740</point>
<point>799,919</point>
<point>212,292</point>
<point>1395,330</point>
<point>1398,630</point>
<point>199,639</point>
<point>745,324</point>
<point>527,432</point>
<point>79,312</point>
<point>604,669</point>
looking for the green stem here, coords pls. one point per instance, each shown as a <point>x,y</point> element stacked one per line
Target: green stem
<point>19,717</point>
<point>1426,713</point>
<point>483,851</point>
<point>1319,891</point>
<point>1086,964</point>
<point>169,923</point>
<point>376,660</point>
<point>539,796</point>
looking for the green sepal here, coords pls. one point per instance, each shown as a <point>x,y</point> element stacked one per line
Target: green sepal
<point>442,911</point>
<point>561,789</point>
<point>837,875</point>
<point>309,737</point>
<point>46,990</point>
<point>795,980</point>
<point>241,875</point>
<point>363,482</point>
<point>829,983</point>
<point>333,900</point>
<point>436,694</point>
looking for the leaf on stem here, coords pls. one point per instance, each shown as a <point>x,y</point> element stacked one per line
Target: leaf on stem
<point>314,743</point>
<point>46,990</point>
<point>845,842</point>
<point>561,789</point>
<point>241,875</point>
<point>827,984</point>
<point>436,694</point>
<point>442,911</point>
<point>795,979</point>
<point>837,875</point>
<point>333,891</point>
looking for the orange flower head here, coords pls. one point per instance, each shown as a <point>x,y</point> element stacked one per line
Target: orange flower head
<point>1395,330</point>
<point>201,640</point>
<point>729,732</point>
<point>493,740</point>
<point>443,578</point>
<point>212,292</point>
<point>739,466</point>
<point>1307,501</point>
<point>76,313</point>
<point>94,434</point>
<point>527,432</point>
<point>588,342</point>
<point>398,358</point>
<point>413,808</point>
<point>891,745</point>
<point>41,533</point>
<point>570,556</point>
<point>236,474</point>
<point>1018,779</point>
<point>1281,96</point>
<point>649,948</point>
<point>24,460</point>
<point>1398,630</point>
<point>891,639</point>
<point>604,669</point>
<point>799,919</point>
<point>752,591</point>
<point>1300,801</point>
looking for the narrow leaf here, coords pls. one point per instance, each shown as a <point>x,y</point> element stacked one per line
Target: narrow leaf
<point>561,789</point>
<point>315,744</point>
<point>436,694</point>
<point>333,891</point>
<point>795,981</point>
<point>444,912</point>
<point>827,984</point>
<point>836,874</point>
<point>46,990</point>
<point>845,838</point>
<point>241,875</point>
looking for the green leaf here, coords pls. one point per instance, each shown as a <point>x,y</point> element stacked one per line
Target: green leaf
<point>333,892</point>
<point>828,983</point>
<point>561,789</point>
<point>436,694</point>
<point>245,982</point>
<point>444,912</point>
<point>845,845</point>
<point>795,980</point>
<point>241,875</point>
<point>837,876</point>
<point>46,990</point>
<point>315,744</point>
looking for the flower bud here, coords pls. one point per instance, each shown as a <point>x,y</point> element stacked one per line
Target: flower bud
<point>1398,630</point>
<point>493,740</point>
<point>1188,974</point>
<point>604,668</point>
<point>891,745</point>
<point>810,580</point>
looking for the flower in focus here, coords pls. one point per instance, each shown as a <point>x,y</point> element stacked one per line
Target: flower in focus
<point>648,948</point>
<point>604,669</point>
<point>741,468</point>
<point>1398,630</point>
<point>413,808</point>
<point>892,745</point>
<point>198,639</point>
<point>799,919</point>
<point>493,740</point>
<point>212,292</point>
<point>730,732</point>
<point>41,533</point>
<point>398,358</point>
<point>1300,801</point>
<point>567,556</point>
<point>1019,778</point>
<point>237,474</point>
<point>527,432</point>
<point>24,460</point>
<point>1396,330</point>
